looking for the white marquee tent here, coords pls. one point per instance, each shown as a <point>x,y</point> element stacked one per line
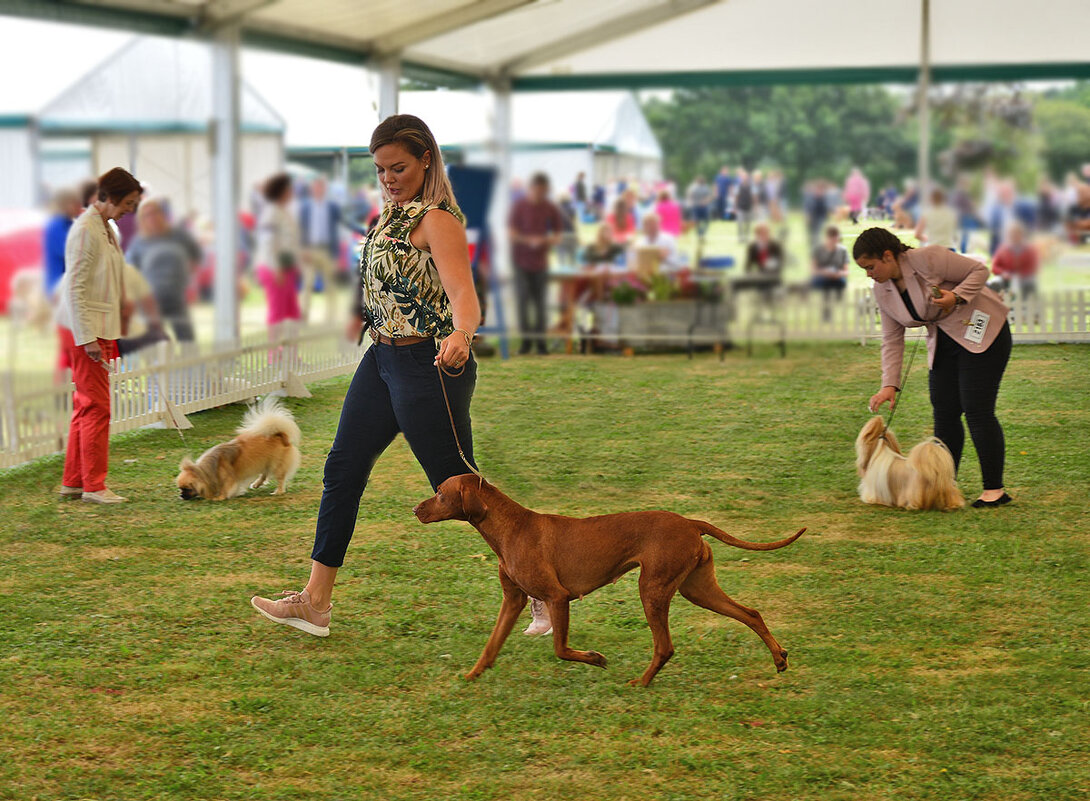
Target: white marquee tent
<point>147,108</point>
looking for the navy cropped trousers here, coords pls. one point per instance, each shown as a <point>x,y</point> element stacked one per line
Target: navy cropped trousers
<point>395,390</point>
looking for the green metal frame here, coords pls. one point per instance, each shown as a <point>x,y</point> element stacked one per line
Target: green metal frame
<point>15,121</point>
<point>834,75</point>
<point>139,127</point>
<point>98,16</point>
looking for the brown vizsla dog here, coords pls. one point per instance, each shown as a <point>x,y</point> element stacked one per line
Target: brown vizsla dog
<point>559,559</point>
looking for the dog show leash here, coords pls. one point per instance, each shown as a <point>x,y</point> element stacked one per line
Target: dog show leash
<point>904,380</point>
<point>450,414</point>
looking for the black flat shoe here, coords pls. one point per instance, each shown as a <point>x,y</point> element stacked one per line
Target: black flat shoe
<point>980,503</point>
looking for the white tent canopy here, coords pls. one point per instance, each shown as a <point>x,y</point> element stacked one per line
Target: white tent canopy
<point>611,42</point>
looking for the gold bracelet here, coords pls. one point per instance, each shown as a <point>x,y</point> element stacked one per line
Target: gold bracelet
<point>467,335</point>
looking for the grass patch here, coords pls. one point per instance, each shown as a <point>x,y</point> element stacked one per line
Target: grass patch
<point>933,656</point>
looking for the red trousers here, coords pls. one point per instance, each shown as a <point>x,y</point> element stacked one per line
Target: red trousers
<point>88,454</point>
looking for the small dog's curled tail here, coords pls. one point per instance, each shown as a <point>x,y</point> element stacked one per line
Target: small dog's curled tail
<point>268,419</point>
<point>936,484</point>
<point>722,536</point>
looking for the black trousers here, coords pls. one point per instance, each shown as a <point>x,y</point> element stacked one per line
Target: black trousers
<point>531,289</point>
<point>395,389</point>
<point>968,383</point>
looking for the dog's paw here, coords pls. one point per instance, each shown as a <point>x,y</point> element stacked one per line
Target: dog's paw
<point>638,682</point>
<point>477,670</point>
<point>596,659</point>
<point>781,662</point>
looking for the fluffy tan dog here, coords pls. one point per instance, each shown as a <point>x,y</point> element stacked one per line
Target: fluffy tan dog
<point>923,480</point>
<point>266,445</point>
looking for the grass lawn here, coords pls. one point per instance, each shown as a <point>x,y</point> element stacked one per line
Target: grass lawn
<point>933,656</point>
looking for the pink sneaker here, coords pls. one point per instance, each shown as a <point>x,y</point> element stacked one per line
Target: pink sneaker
<point>294,609</point>
<point>541,624</point>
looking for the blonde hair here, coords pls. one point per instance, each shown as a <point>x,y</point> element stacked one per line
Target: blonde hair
<point>413,134</point>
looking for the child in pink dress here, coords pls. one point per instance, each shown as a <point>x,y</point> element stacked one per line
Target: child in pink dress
<point>277,258</point>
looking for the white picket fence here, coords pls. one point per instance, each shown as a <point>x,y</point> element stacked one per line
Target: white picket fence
<point>802,315</point>
<point>1056,316</point>
<point>161,385</point>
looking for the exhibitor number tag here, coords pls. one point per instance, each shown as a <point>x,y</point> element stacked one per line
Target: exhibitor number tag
<point>978,324</point>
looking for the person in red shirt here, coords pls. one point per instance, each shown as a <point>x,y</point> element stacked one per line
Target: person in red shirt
<point>622,222</point>
<point>1017,262</point>
<point>535,227</point>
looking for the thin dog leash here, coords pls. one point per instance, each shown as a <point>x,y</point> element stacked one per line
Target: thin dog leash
<point>450,414</point>
<point>904,380</point>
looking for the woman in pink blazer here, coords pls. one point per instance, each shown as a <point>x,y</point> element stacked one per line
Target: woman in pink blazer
<point>968,342</point>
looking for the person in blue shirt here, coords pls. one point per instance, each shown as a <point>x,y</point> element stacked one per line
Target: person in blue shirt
<point>66,207</point>
<point>724,182</point>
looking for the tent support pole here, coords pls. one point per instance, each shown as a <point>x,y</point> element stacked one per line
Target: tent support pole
<point>923,156</point>
<point>501,197</point>
<point>225,172</point>
<point>389,85</point>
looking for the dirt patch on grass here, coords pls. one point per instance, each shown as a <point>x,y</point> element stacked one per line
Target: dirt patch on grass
<point>34,551</point>
<point>963,664</point>
<point>118,552</point>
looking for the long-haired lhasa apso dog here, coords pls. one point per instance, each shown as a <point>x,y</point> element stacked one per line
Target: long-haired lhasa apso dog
<point>266,446</point>
<point>922,480</point>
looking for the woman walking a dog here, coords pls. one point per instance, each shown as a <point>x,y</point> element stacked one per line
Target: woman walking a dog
<point>417,290</point>
<point>968,342</point>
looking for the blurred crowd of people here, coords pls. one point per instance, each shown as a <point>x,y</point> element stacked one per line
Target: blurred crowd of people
<point>296,239</point>
<point>299,237</point>
<point>637,225</point>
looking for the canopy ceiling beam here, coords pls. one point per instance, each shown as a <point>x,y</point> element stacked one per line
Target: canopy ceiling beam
<point>286,39</point>
<point>615,28</point>
<point>422,29</point>
<point>217,13</point>
<point>167,19</point>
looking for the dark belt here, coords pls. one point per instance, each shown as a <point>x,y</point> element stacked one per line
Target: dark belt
<point>399,341</point>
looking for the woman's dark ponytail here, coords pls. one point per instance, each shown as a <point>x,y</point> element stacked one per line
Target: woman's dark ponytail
<point>873,242</point>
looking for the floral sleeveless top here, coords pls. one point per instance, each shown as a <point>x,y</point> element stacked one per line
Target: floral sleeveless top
<point>402,294</point>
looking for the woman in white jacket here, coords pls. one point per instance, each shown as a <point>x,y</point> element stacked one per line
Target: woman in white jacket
<point>90,316</point>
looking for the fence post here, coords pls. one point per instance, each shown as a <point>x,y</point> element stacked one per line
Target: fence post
<point>168,414</point>
<point>861,310</point>
<point>290,381</point>
<point>9,423</point>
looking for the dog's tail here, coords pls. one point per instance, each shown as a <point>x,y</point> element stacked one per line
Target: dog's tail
<point>269,418</point>
<point>722,536</point>
<point>936,484</point>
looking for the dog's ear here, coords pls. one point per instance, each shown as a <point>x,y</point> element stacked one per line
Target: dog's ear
<point>472,506</point>
<point>186,462</point>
